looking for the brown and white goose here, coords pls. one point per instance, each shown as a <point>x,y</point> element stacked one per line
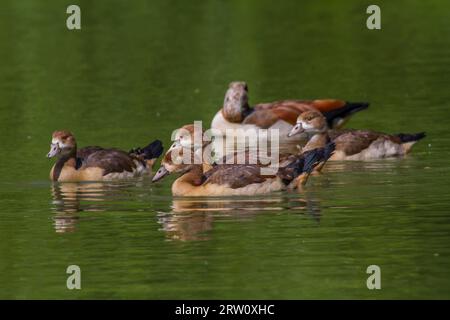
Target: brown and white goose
<point>97,163</point>
<point>236,112</point>
<point>353,144</point>
<point>236,179</point>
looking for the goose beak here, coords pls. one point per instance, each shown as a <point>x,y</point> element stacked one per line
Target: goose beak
<point>54,150</point>
<point>298,128</point>
<point>161,173</point>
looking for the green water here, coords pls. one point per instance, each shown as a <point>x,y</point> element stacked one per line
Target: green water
<point>137,70</point>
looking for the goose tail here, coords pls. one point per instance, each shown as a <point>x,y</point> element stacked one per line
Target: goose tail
<point>409,139</point>
<point>149,153</point>
<point>336,118</point>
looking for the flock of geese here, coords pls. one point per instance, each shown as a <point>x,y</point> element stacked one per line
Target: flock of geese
<point>313,126</point>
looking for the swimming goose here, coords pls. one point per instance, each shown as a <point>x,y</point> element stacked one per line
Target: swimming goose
<point>97,163</point>
<point>185,137</point>
<point>237,113</point>
<point>237,179</point>
<point>353,144</point>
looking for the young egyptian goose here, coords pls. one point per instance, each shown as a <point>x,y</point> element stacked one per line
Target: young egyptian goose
<point>282,115</point>
<point>97,163</point>
<point>353,144</point>
<point>236,179</point>
<point>185,137</point>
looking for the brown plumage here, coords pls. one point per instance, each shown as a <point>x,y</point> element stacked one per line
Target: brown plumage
<point>354,141</point>
<point>353,144</point>
<point>234,179</point>
<point>110,160</point>
<point>97,163</point>
<point>235,176</point>
<point>280,114</point>
<point>83,153</point>
<point>264,115</point>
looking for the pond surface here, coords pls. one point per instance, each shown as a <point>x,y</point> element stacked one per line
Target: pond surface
<point>136,71</point>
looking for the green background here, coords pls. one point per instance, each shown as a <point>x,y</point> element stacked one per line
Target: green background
<point>139,69</point>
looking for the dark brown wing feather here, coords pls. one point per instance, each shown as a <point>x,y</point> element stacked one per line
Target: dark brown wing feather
<point>298,105</point>
<point>354,141</point>
<point>235,176</point>
<point>289,166</point>
<point>83,153</point>
<point>265,115</point>
<point>246,157</point>
<point>110,160</point>
<point>261,118</point>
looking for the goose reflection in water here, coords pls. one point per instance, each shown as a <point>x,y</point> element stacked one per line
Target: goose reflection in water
<point>193,218</point>
<point>189,218</point>
<point>69,199</point>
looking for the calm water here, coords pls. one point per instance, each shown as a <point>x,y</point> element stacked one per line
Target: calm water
<point>137,71</point>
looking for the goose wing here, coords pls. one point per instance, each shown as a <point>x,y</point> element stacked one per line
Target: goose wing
<point>83,153</point>
<point>354,141</point>
<point>110,160</point>
<point>235,176</point>
<point>265,115</point>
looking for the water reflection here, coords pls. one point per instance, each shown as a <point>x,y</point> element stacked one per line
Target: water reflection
<point>69,199</point>
<point>188,218</point>
<point>193,218</point>
<point>383,165</point>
